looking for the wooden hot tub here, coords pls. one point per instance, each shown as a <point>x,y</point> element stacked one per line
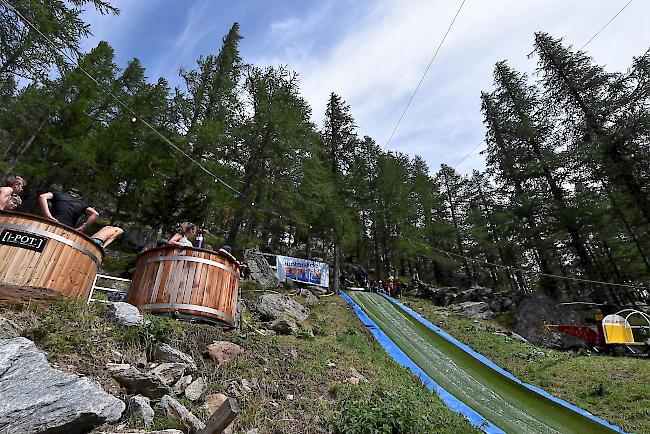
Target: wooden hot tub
<point>36,252</point>
<point>192,282</point>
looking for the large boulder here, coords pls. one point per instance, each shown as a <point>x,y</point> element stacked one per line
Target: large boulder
<point>285,326</point>
<point>124,313</point>
<point>36,398</point>
<point>260,270</point>
<point>223,352</point>
<point>473,309</point>
<point>140,409</point>
<point>8,328</point>
<point>531,311</point>
<point>173,409</point>
<point>169,372</point>
<point>308,296</point>
<point>275,306</point>
<point>149,385</point>
<point>165,353</point>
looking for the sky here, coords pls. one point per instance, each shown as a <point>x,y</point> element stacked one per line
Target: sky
<point>373,53</point>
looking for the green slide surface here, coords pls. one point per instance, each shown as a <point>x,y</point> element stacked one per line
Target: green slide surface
<point>507,404</point>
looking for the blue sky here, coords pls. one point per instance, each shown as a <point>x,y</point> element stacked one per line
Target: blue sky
<point>373,53</point>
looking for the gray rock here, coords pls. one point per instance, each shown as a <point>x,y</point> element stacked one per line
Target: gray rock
<point>175,410</point>
<point>125,313</point>
<point>260,270</point>
<point>37,398</point>
<point>285,326</point>
<point>253,431</point>
<point>169,372</point>
<point>533,309</point>
<point>149,385</point>
<point>274,306</point>
<point>310,298</point>
<point>473,309</point>
<point>8,328</point>
<point>181,385</point>
<point>164,431</point>
<point>194,391</point>
<point>165,353</point>
<point>140,409</point>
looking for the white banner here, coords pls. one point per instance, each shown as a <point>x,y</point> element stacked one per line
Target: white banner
<point>303,270</point>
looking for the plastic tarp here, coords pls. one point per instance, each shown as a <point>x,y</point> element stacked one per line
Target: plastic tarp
<point>497,368</point>
<point>302,270</point>
<point>402,359</point>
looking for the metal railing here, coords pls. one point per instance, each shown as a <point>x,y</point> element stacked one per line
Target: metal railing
<point>103,288</point>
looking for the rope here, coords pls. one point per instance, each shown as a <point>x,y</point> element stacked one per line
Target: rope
<point>607,24</point>
<point>425,74</point>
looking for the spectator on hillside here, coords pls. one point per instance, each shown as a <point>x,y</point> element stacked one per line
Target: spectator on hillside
<point>182,237</point>
<point>13,185</point>
<point>67,208</point>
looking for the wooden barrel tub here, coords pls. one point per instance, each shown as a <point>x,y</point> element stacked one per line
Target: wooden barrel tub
<point>190,282</point>
<point>36,252</point>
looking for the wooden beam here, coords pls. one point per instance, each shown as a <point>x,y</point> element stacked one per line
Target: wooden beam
<point>221,418</point>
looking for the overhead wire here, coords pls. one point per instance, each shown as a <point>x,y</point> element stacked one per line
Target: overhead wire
<point>77,64</point>
<point>606,24</point>
<point>424,75</point>
<point>538,273</point>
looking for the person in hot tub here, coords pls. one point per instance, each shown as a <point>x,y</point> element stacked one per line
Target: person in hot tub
<point>182,237</point>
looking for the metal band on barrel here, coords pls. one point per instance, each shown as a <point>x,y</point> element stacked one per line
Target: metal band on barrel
<point>191,259</point>
<point>177,306</point>
<point>53,236</point>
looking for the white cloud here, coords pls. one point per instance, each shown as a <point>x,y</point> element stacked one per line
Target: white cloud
<point>376,65</point>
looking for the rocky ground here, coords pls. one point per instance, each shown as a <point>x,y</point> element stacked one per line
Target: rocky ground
<point>301,363</point>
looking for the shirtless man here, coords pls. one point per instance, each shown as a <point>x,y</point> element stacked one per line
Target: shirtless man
<point>106,235</point>
<point>13,185</point>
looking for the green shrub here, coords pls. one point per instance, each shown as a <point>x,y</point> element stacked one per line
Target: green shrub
<point>65,328</point>
<point>387,411</point>
<point>161,328</point>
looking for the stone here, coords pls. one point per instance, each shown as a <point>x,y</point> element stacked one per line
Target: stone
<point>165,353</point>
<point>164,431</point>
<point>125,313</point>
<point>223,352</point>
<point>149,385</point>
<point>173,409</point>
<point>35,397</point>
<point>285,326</point>
<point>169,372</point>
<point>473,309</point>
<point>253,431</point>
<point>8,328</point>
<point>358,376</point>
<point>259,269</point>
<point>213,401</point>
<point>194,391</point>
<point>275,306</point>
<point>140,409</point>
<point>310,298</point>
<point>179,387</point>
<point>533,309</point>
<point>519,338</point>
<point>353,380</point>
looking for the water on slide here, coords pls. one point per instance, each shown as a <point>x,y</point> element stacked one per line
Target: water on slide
<point>504,402</point>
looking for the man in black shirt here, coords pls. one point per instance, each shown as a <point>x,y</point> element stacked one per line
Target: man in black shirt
<point>67,208</point>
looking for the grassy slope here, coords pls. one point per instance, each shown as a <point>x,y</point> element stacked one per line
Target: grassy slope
<point>616,389</point>
<point>80,339</point>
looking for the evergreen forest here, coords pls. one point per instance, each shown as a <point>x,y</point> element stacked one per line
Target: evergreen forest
<point>235,150</point>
